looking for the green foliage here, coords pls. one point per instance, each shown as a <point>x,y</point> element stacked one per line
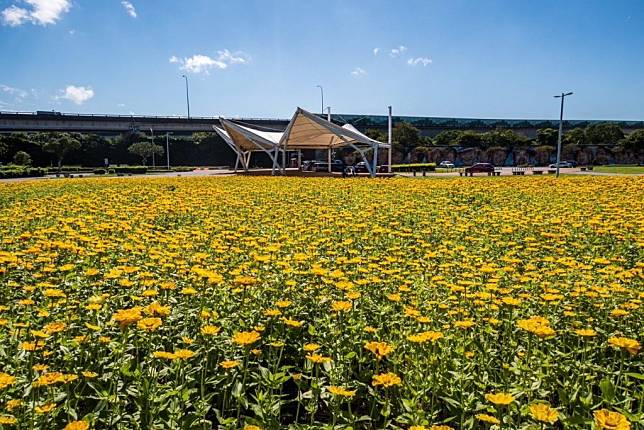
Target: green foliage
<point>504,138</point>
<point>135,170</point>
<point>547,136</point>
<point>576,136</point>
<point>604,134</point>
<point>405,137</point>
<point>634,141</point>
<point>59,144</point>
<point>413,167</point>
<point>145,150</point>
<point>22,158</point>
<point>20,172</point>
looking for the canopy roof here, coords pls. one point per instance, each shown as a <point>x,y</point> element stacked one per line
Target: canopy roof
<point>309,131</point>
<point>246,138</point>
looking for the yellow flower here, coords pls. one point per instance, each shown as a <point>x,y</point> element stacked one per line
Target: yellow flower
<point>586,332</point>
<point>310,347</point>
<point>339,391</point>
<point>317,358</point>
<point>544,413</point>
<point>77,425</point>
<point>246,338</point>
<point>252,427</point>
<point>487,418</point>
<point>47,407</point>
<point>6,380</point>
<point>537,325</point>
<point>272,312</point>
<point>210,330</point>
<point>499,398</point>
<point>13,404</point>
<point>341,306</point>
<point>386,380</point>
<point>7,420</point>
<point>164,355</point>
<point>605,419</point>
<point>229,364</point>
<point>427,336</point>
<point>292,323</point>
<point>465,324</point>
<point>441,427</point>
<point>89,375</point>
<point>126,317</point>
<point>157,309</point>
<point>183,354</point>
<point>379,349</point>
<point>630,345</point>
<point>149,324</point>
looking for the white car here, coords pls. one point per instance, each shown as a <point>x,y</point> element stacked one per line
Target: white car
<point>446,164</point>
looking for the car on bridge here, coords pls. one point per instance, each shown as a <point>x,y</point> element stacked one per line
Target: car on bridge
<point>562,165</point>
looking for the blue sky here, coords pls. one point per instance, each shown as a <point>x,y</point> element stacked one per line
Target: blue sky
<point>477,58</point>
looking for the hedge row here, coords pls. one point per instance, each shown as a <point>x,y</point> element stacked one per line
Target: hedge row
<point>417,167</point>
<point>21,172</point>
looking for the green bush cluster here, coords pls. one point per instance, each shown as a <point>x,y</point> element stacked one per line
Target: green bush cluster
<point>21,172</point>
<point>135,170</point>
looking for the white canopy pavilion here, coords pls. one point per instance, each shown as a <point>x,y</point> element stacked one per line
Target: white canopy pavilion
<point>309,131</point>
<point>245,140</point>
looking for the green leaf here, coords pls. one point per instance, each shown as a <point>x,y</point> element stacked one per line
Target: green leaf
<point>608,390</point>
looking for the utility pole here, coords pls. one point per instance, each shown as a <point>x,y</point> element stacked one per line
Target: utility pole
<point>562,97</point>
<point>389,140</point>
<point>187,95</point>
<point>322,95</point>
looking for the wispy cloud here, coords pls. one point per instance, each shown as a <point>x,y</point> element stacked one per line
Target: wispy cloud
<point>397,52</point>
<point>200,63</point>
<point>358,72</point>
<point>424,61</point>
<point>129,8</point>
<point>41,12</point>
<point>17,93</point>
<point>375,51</point>
<point>77,95</point>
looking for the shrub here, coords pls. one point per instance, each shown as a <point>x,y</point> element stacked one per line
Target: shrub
<point>415,167</point>
<point>21,172</point>
<point>22,158</point>
<point>99,171</point>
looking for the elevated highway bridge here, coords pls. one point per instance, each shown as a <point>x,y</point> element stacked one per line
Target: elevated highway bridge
<point>48,121</point>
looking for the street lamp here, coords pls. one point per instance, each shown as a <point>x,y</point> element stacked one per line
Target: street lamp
<point>152,133</point>
<point>167,150</point>
<point>322,95</point>
<point>562,97</point>
<point>187,95</point>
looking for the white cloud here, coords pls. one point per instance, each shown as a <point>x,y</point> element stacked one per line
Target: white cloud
<point>41,12</point>
<point>358,72</point>
<point>397,52</point>
<point>129,8</point>
<point>375,51</point>
<point>78,95</point>
<point>200,63</point>
<point>17,93</point>
<point>121,105</point>
<point>419,60</point>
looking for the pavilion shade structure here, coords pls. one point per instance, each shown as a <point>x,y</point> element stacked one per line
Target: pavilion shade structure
<point>308,131</point>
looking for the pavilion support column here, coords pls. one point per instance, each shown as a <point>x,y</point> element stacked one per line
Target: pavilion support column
<point>236,163</point>
<point>299,159</point>
<point>329,159</point>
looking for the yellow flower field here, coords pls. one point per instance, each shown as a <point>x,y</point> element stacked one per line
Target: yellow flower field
<point>254,302</point>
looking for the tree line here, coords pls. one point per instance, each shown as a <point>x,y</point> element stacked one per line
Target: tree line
<point>54,149</point>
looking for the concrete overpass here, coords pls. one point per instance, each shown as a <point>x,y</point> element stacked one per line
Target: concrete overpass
<point>430,126</point>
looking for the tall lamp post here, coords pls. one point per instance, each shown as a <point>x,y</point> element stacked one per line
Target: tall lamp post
<point>322,95</point>
<point>152,133</point>
<point>167,150</point>
<point>187,95</point>
<point>562,97</point>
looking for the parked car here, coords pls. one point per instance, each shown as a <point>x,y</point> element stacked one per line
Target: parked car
<point>572,163</point>
<point>446,164</point>
<point>480,168</point>
<point>562,165</point>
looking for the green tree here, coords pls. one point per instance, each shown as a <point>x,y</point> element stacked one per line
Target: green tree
<point>604,134</point>
<point>22,158</point>
<point>469,139</point>
<point>634,141</point>
<point>406,137</point>
<point>145,150</point>
<point>547,136</point>
<point>576,136</point>
<point>201,136</point>
<point>504,138</point>
<point>59,144</point>
<point>446,138</point>
<point>376,135</point>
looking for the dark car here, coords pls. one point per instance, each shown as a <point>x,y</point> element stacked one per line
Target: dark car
<point>480,168</point>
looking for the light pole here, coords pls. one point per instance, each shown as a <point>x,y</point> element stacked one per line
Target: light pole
<point>322,95</point>
<point>328,113</point>
<point>187,95</point>
<point>562,97</point>
<point>389,139</point>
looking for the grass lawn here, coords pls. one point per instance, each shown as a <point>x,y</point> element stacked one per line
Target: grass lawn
<point>620,169</point>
